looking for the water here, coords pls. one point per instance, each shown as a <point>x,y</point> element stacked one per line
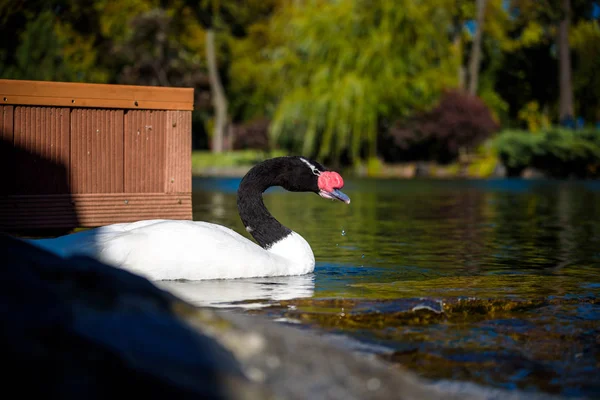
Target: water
<point>495,282</point>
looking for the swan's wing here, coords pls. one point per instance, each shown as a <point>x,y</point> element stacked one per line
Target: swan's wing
<point>130,226</point>
<point>86,242</point>
<point>171,249</point>
<point>185,250</point>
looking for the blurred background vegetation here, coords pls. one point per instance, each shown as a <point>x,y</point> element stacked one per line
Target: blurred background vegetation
<point>361,83</point>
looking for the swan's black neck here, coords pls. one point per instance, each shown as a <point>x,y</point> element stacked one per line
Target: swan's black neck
<point>258,221</point>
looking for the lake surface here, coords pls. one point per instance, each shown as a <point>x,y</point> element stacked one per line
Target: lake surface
<point>495,282</point>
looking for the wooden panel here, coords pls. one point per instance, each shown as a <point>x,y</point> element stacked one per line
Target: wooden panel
<point>96,151</point>
<point>41,140</point>
<point>127,159</point>
<point>6,123</point>
<point>7,150</point>
<point>144,151</point>
<point>22,212</point>
<point>68,94</point>
<point>178,178</point>
<point>89,210</point>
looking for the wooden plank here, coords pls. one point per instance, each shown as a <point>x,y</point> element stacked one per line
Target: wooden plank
<point>6,123</point>
<point>67,94</point>
<point>96,151</point>
<point>90,210</point>
<point>178,178</point>
<point>41,148</point>
<point>144,149</point>
<point>7,150</point>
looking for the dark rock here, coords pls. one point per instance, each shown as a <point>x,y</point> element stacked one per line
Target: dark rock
<point>79,329</point>
<point>533,173</point>
<point>422,169</point>
<point>500,171</point>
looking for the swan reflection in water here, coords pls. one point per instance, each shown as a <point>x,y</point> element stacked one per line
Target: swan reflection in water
<point>243,293</point>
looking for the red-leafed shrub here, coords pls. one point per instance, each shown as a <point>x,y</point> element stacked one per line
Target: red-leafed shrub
<point>252,135</point>
<point>459,120</point>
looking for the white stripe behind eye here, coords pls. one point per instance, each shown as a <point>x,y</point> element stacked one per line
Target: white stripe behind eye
<point>312,167</point>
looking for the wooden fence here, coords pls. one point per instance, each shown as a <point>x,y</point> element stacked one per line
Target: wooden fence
<point>85,155</point>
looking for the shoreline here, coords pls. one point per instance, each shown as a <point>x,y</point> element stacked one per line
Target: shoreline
<point>413,170</point>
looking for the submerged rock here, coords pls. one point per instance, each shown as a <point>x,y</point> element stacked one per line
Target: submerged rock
<point>76,328</point>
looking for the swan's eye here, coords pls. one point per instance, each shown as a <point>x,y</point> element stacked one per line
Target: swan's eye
<point>314,169</point>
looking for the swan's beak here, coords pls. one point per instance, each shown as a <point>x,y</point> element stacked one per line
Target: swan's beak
<point>335,194</point>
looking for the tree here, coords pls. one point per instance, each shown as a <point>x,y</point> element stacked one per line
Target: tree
<point>493,35</point>
<point>50,40</point>
<point>573,12</point>
<point>474,60</point>
<point>333,70</point>
<point>218,93</point>
<point>37,56</point>
<point>528,70</point>
<point>230,18</point>
<point>49,49</point>
<point>208,12</point>
<point>534,58</point>
<point>585,42</point>
<point>565,110</point>
<point>154,54</point>
<point>461,11</point>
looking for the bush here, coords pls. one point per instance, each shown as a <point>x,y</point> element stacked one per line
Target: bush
<point>205,159</point>
<point>252,135</point>
<point>458,121</point>
<point>559,153</point>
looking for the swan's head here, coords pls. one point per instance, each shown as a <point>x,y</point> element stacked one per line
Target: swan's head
<point>307,175</point>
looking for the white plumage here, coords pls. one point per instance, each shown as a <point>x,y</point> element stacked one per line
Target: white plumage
<point>192,250</point>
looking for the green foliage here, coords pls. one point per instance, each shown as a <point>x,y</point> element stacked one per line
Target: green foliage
<point>151,53</point>
<point>516,149</point>
<point>49,50</point>
<point>242,158</point>
<point>529,57</point>
<point>38,53</point>
<point>329,83</point>
<point>115,16</point>
<point>484,162</point>
<point>533,117</point>
<point>374,166</point>
<point>557,152</point>
<point>585,42</point>
<point>329,74</point>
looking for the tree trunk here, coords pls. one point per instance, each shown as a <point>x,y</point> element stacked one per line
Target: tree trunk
<point>475,58</point>
<point>462,73</point>
<point>566,111</point>
<point>217,93</point>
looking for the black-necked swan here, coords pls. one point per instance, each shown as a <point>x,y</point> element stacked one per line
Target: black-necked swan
<point>196,250</point>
